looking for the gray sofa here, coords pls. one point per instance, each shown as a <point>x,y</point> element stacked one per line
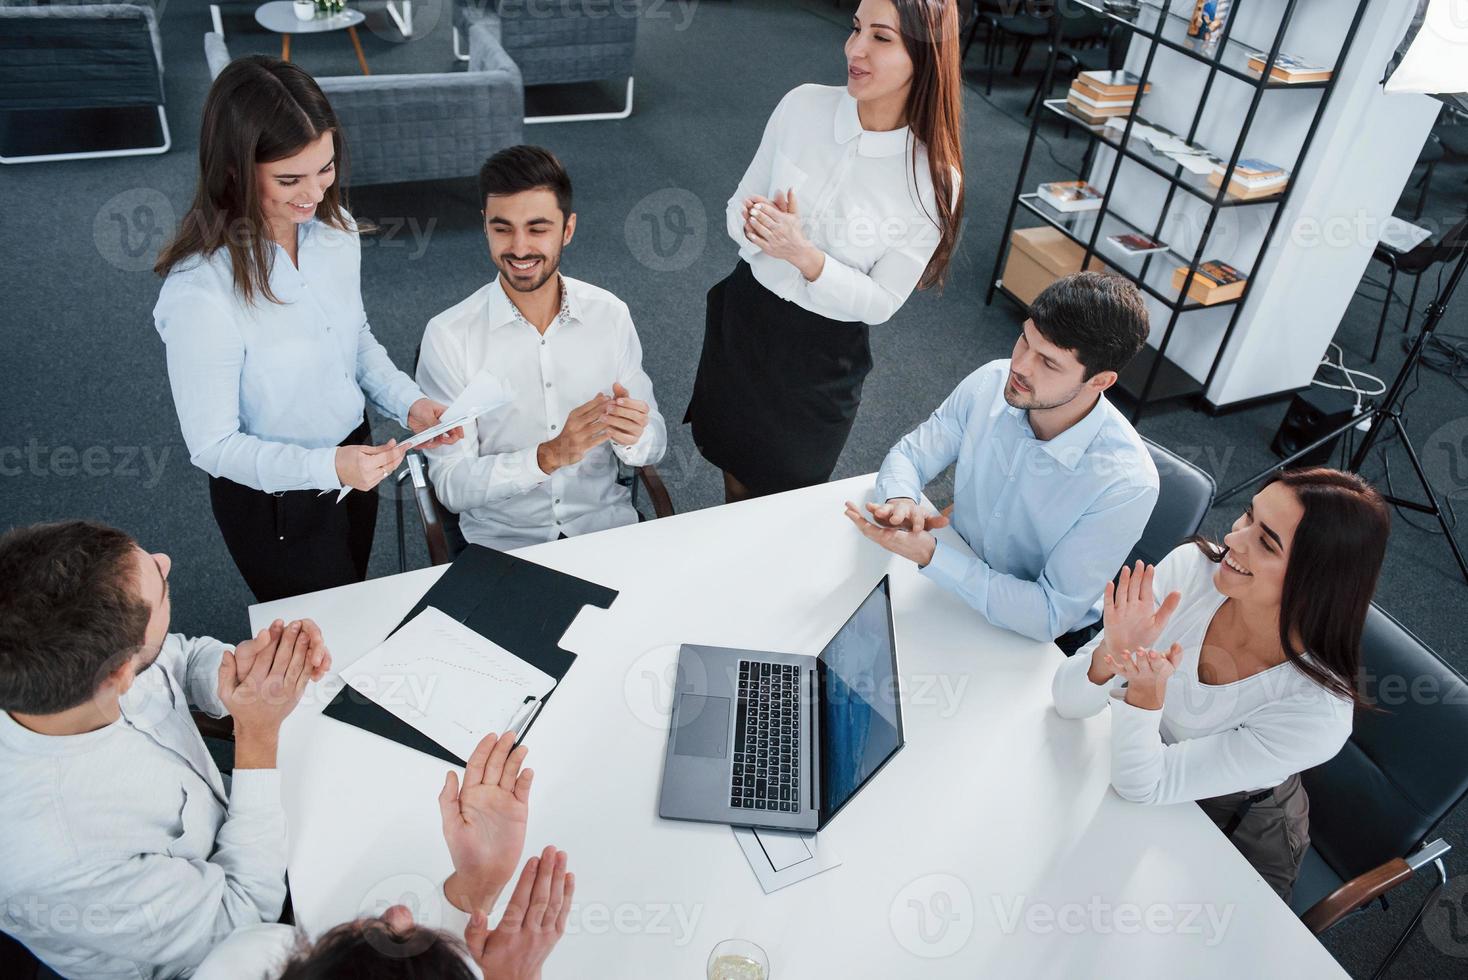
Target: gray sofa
<point>421,127</point>
<point>559,41</point>
<point>64,62</point>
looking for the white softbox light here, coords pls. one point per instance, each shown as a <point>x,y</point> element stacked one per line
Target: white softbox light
<point>1433,56</point>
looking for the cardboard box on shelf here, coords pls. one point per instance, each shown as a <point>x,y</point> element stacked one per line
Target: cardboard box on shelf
<point>1038,257</point>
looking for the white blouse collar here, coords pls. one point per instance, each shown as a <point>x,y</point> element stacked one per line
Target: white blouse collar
<point>848,127</point>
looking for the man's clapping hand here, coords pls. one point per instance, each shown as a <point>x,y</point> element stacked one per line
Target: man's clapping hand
<point>260,697</point>
<point>484,821</point>
<point>534,921</point>
<point>318,657</point>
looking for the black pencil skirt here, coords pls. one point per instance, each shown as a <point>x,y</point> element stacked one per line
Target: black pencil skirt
<point>296,541</point>
<point>777,387</point>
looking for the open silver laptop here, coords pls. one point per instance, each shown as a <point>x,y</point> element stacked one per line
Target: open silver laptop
<point>784,740</point>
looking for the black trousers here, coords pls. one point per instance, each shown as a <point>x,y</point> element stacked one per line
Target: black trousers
<point>297,541</point>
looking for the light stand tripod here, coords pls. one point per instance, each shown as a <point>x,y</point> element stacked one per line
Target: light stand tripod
<point>1388,410</point>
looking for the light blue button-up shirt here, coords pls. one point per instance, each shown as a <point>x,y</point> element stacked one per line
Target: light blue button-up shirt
<point>266,391</point>
<point>1050,521</point>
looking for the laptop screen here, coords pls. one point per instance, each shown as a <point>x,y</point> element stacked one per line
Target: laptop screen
<point>861,709</point>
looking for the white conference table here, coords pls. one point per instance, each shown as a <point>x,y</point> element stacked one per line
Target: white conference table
<point>990,846</point>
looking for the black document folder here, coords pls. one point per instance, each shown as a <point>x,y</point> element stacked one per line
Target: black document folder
<point>524,607</point>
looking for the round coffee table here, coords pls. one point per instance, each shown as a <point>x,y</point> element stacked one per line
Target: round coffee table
<point>280,16</point>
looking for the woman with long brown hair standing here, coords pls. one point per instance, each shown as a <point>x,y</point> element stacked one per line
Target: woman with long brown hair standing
<point>852,200</point>
<point>270,356</point>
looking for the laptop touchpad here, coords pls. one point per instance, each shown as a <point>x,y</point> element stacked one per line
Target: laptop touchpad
<point>703,726</point>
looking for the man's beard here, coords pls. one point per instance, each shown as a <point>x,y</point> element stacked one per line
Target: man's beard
<point>1031,404</point>
<point>550,265</point>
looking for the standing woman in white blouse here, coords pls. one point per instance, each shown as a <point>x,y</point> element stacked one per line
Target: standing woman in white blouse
<point>852,200</point>
<point>1245,675</point>
<point>270,356</point>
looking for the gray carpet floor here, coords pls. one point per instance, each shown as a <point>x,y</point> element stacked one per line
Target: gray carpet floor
<point>89,408</point>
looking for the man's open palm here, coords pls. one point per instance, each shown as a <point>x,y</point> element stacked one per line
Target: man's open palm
<point>484,822</point>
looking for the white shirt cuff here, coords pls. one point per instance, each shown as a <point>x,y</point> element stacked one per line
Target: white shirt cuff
<point>254,790</point>
<point>323,469</point>
<point>949,566</point>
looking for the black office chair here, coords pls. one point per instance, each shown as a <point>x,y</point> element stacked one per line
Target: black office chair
<point>1374,808</point>
<point>985,13</point>
<point>1184,497</point>
<point>1414,264</point>
<point>441,526</point>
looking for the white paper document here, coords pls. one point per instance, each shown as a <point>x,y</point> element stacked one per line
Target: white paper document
<point>447,681</point>
<point>482,395</point>
<point>434,432</point>
<point>783,857</point>
<point>485,393</point>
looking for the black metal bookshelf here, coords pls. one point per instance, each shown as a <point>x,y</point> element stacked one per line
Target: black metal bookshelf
<point>1152,377</point>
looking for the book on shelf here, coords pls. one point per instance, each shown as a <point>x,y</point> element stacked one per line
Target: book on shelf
<point>1252,178</point>
<point>1288,68</point>
<point>1096,101</point>
<point>1111,84</point>
<point>1069,196</point>
<point>1214,282</point>
<point>1091,114</point>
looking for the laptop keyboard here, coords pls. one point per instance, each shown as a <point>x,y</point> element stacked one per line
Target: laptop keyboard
<point>766,769</point>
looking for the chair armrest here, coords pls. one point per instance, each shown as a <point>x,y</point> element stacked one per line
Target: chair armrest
<point>486,45</point>
<point>434,534</point>
<point>1355,893</point>
<point>210,727</point>
<point>662,504</point>
<point>216,53</point>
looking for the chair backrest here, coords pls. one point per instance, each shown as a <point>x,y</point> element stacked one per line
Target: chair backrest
<point>79,57</point>
<point>1184,496</point>
<point>585,41</point>
<point>1405,766</point>
<point>1078,22</point>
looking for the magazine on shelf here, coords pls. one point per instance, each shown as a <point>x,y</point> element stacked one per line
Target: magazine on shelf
<point>1137,244</point>
<point>1070,195</point>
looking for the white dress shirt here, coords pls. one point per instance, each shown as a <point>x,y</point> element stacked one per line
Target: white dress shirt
<point>858,203</point>
<point>121,852</point>
<point>1208,739</point>
<point>1050,521</point>
<point>266,391</point>
<point>491,477</point>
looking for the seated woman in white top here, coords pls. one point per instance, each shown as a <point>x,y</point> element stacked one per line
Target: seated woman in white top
<point>1262,641</point>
